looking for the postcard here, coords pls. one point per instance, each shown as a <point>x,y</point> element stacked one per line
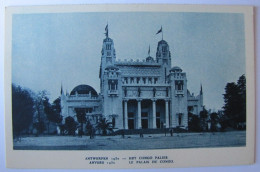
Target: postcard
<point>129,86</point>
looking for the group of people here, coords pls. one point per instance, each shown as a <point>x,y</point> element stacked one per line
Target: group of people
<point>142,135</point>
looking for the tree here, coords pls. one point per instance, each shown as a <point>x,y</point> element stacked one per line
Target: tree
<point>52,111</point>
<point>57,118</point>
<point>22,109</point>
<point>231,102</point>
<point>235,102</point>
<point>40,117</point>
<point>70,125</point>
<point>194,122</point>
<point>203,119</point>
<point>223,121</point>
<point>48,111</point>
<point>214,119</point>
<point>104,126</point>
<point>81,117</point>
<point>89,127</point>
<point>241,84</point>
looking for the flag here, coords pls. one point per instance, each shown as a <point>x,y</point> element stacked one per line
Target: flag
<point>106,29</point>
<point>159,31</point>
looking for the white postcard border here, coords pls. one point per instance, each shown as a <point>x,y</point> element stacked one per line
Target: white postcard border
<point>181,157</point>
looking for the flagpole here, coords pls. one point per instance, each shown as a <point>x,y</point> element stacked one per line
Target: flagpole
<point>162,32</point>
<point>162,35</point>
<point>107,29</point>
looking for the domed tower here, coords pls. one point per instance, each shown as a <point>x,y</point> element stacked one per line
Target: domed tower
<point>82,97</point>
<point>84,90</point>
<point>112,96</point>
<point>163,54</point>
<point>163,57</point>
<point>179,112</point>
<point>108,56</point>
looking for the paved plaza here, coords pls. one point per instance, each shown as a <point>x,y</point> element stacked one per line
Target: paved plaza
<point>133,142</point>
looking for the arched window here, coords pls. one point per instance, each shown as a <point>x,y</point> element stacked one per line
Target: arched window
<point>112,84</point>
<point>164,48</point>
<point>179,85</point>
<point>108,46</point>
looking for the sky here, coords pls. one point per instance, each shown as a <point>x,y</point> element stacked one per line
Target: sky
<point>65,48</point>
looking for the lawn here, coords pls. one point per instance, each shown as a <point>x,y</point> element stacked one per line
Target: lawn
<point>134,142</point>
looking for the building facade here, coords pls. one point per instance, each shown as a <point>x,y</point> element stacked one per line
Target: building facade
<point>135,94</point>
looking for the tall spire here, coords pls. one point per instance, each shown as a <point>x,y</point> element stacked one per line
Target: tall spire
<point>106,29</point>
<point>201,92</point>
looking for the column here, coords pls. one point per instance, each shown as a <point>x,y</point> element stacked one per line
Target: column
<point>125,115</point>
<point>154,114</point>
<point>167,113</point>
<point>139,124</point>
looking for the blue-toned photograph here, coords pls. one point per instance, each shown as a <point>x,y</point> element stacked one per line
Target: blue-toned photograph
<point>128,80</point>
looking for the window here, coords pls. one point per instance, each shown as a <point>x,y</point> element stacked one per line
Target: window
<point>155,80</point>
<point>108,46</point>
<point>150,80</point>
<point>112,84</point>
<point>126,81</point>
<point>108,53</point>
<point>144,80</point>
<point>178,85</point>
<point>138,80</point>
<point>164,49</point>
<point>131,80</point>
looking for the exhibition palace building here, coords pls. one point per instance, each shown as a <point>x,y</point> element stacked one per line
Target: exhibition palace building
<point>135,94</point>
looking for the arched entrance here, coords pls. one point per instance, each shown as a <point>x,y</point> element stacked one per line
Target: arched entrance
<point>146,113</point>
<point>160,113</point>
<point>132,114</point>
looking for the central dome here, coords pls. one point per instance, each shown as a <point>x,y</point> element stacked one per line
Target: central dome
<point>83,89</point>
<point>176,69</point>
